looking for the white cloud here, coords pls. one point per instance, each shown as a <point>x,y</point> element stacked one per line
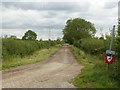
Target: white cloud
<point>119,9</point>
<point>45,15</point>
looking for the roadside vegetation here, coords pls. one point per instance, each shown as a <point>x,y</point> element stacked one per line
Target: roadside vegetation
<point>16,47</point>
<point>95,73</point>
<point>38,56</point>
<point>90,51</point>
<point>18,52</point>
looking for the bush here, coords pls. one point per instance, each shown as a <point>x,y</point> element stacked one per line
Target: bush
<point>91,45</point>
<point>17,47</point>
<point>77,43</point>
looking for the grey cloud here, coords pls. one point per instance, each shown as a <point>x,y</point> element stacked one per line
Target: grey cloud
<point>110,5</point>
<point>64,6</point>
<point>54,12</point>
<point>50,14</point>
<point>53,15</point>
<point>30,25</point>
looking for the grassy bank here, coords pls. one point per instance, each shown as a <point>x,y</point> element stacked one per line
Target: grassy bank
<point>38,56</point>
<point>94,74</point>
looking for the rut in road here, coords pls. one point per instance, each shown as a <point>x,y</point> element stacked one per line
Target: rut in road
<point>55,72</point>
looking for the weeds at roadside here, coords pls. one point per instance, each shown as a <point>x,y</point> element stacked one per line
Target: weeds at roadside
<point>94,74</point>
<point>38,56</point>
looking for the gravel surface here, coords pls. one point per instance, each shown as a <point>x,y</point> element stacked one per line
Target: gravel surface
<point>55,72</point>
<point>0,79</point>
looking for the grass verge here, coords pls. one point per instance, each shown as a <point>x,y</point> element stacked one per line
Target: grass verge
<point>38,56</point>
<point>94,74</point>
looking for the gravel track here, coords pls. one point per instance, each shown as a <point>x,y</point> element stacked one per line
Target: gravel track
<point>55,72</point>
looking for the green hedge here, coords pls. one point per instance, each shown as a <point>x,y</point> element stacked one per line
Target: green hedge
<point>17,47</point>
<point>94,45</point>
<point>91,45</point>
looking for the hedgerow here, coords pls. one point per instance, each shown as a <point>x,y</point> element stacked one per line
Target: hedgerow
<point>17,47</point>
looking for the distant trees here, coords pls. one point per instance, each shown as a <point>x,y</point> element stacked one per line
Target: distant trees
<point>77,29</point>
<point>10,36</point>
<point>29,35</point>
<point>14,37</point>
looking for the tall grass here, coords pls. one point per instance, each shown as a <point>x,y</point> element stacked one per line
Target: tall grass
<point>95,73</point>
<point>17,52</point>
<point>38,56</point>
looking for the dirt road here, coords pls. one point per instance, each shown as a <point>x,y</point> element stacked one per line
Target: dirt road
<point>55,72</point>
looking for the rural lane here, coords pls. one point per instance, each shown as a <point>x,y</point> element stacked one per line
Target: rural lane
<point>55,72</point>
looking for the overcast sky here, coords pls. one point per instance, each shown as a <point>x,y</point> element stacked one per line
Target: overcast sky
<point>47,17</point>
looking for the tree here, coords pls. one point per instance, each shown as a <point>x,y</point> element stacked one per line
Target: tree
<point>77,29</point>
<point>29,35</point>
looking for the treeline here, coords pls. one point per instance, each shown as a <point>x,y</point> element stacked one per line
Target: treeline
<point>13,47</point>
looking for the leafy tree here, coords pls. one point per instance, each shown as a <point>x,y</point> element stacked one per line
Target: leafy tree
<point>76,29</point>
<point>29,35</point>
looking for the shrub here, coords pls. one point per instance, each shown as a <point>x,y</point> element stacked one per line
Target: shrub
<point>91,45</point>
<point>17,47</point>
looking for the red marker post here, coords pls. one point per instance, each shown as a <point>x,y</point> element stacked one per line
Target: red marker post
<point>110,55</point>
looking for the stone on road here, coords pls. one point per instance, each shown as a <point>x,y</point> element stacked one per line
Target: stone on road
<point>55,72</point>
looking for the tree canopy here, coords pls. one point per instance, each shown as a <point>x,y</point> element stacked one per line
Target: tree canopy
<point>29,35</point>
<point>76,29</point>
